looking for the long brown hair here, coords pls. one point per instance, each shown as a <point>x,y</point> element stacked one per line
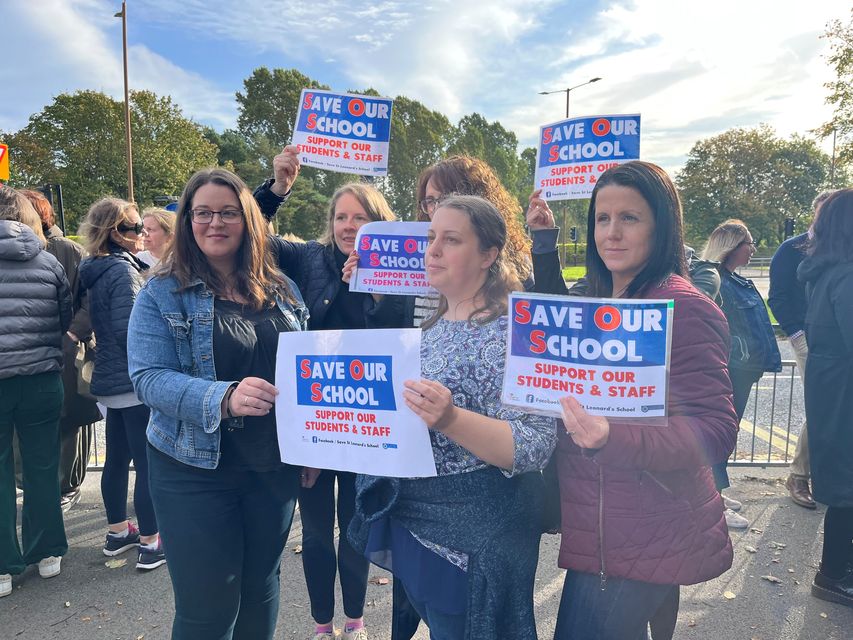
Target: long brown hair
<point>16,207</point>
<point>464,175</point>
<point>257,278</point>
<point>501,278</point>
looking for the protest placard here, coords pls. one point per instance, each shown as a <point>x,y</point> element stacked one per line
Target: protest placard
<point>341,403</point>
<point>611,355</point>
<point>391,259</point>
<point>573,153</point>
<point>343,132</point>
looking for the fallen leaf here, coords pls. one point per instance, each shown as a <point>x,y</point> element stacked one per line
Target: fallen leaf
<point>728,595</point>
<point>823,615</point>
<point>692,623</point>
<point>379,581</point>
<point>791,571</point>
<point>754,530</point>
<point>67,604</point>
<point>771,578</point>
<point>119,603</point>
<point>86,618</point>
<point>750,549</point>
<point>297,549</point>
<point>115,563</point>
<point>777,545</point>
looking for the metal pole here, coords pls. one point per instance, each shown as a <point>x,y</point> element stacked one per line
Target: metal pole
<point>123,15</point>
<point>568,91</point>
<point>832,169</point>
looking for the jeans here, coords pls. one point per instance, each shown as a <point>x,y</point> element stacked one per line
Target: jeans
<point>125,442</point>
<point>442,626</point>
<point>404,617</point>
<point>223,533</point>
<point>742,382</point>
<point>30,407</point>
<point>623,611</point>
<point>800,464</point>
<point>319,561</point>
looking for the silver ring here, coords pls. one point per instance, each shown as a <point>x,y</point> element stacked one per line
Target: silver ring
<point>245,399</point>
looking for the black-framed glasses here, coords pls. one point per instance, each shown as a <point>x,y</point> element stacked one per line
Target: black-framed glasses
<point>752,243</point>
<point>205,216</point>
<point>137,228</point>
<point>429,204</point>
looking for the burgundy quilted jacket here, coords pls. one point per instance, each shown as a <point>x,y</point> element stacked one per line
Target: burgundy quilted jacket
<point>644,506</point>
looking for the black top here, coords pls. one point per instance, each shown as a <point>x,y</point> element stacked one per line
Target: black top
<point>346,310</point>
<point>245,344</point>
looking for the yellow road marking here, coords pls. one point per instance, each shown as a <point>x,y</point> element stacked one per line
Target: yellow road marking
<point>764,434</point>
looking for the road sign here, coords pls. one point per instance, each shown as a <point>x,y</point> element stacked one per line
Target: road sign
<point>4,162</point>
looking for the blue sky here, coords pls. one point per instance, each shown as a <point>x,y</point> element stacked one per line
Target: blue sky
<point>692,69</point>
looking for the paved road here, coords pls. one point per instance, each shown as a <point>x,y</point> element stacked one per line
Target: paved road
<point>92,602</point>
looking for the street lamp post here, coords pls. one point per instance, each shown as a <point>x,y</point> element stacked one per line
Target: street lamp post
<point>568,92</point>
<point>123,15</point>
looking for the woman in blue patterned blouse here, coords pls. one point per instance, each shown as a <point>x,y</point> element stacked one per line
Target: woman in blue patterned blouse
<point>465,543</point>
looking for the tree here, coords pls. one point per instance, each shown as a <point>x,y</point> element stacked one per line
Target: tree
<point>304,213</point>
<point>752,175</point>
<point>237,155</point>
<point>840,36</point>
<point>491,142</point>
<point>78,141</point>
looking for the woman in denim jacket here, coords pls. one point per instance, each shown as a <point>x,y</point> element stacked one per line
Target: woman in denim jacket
<point>202,356</point>
<point>753,348</point>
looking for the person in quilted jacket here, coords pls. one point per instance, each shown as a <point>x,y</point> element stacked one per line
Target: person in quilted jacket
<point>640,512</point>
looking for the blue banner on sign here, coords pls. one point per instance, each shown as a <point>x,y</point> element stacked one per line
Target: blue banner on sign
<point>358,382</point>
<point>376,251</point>
<point>593,139</point>
<point>590,333</point>
<point>346,116</point>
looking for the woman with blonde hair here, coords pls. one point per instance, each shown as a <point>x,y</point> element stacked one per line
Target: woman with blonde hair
<point>753,346</point>
<point>31,328</point>
<point>111,276</point>
<point>159,226</point>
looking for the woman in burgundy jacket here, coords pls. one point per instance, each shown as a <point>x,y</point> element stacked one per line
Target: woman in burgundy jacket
<point>640,514</point>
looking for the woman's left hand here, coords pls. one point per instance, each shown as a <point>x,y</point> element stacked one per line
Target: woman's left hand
<point>589,432</point>
<point>432,401</point>
<point>349,267</point>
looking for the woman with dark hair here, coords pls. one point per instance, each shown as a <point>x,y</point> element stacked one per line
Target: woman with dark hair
<point>828,273</point>
<point>640,513</point>
<point>31,328</point>
<point>111,275</point>
<point>464,545</point>
<point>205,333</point>
<point>753,347</point>
<point>78,412</point>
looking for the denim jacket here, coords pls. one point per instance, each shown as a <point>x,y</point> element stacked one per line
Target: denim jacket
<point>170,360</point>
<point>753,346</point>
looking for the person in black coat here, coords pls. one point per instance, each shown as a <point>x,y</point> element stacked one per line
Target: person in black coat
<point>112,278</point>
<point>828,273</point>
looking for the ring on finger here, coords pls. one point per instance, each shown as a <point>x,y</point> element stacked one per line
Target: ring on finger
<point>245,399</point>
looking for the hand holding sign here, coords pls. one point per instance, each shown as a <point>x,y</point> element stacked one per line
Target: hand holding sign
<point>285,169</point>
<point>349,267</point>
<point>589,432</point>
<point>539,214</point>
<point>431,401</point>
<point>252,397</point>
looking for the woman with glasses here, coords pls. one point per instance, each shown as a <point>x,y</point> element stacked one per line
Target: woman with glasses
<point>753,347</point>
<point>205,333</point>
<point>111,276</point>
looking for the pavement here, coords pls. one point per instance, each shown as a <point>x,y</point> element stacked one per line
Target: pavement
<point>91,601</point>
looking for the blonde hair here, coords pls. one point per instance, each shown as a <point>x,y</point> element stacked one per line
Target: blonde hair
<point>101,220</point>
<point>16,207</point>
<point>724,239</point>
<point>166,219</point>
<point>373,202</point>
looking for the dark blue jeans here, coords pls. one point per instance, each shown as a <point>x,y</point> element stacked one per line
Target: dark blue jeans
<point>623,611</point>
<point>742,382</point>
<point>223,532</point>
<point>125,442</point>
<point>319,560</point>
<point>442,626</point>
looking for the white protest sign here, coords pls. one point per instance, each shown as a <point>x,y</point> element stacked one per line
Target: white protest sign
<point>391,259</point>
<point>572,154</point>
<point>611,355</point>
<point>341,403</point>
<point>343,132</point>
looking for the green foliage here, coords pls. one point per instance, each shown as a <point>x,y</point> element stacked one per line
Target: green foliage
<point>840,36</point>
<point>305,212</point>
<point>752,175</point>
<point>78,141</point>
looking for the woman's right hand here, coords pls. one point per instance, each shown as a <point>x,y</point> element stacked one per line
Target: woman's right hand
<point>252,397</point>
<point>349,267</point>
<point>539,214</point>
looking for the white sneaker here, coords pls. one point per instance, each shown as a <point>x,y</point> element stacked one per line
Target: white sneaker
<point>49,567</point>
<point>734,520</point>
<point>731,503</point>
<point>358,634</point>
<point>5,585</point>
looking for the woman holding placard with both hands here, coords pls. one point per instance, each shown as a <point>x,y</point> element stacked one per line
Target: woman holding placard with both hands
<point>640,511</point>
<point>464,544</point>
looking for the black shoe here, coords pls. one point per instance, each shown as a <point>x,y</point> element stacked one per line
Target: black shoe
<point>69,499</point>
<point>151,557</point>
<point>840,591</point>
<point>115,545</point>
